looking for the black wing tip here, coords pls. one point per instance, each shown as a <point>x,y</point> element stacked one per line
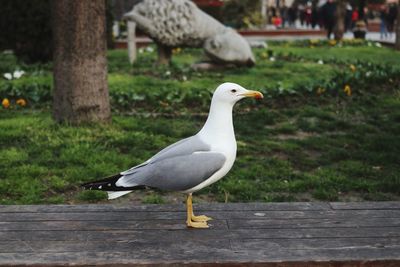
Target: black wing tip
<point>102,184</point>
<point>109,184</point>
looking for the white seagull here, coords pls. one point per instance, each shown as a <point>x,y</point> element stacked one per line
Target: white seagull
<point>189,164</point>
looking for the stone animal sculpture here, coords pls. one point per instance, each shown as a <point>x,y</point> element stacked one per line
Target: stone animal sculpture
<point>173,23</point>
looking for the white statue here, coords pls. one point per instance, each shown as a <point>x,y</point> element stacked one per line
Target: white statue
<point>173,23</point>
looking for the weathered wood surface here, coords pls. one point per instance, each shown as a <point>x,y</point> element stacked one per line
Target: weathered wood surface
<point>257,234</point>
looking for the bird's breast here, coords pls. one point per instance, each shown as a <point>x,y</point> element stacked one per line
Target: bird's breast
<point>225,145</point>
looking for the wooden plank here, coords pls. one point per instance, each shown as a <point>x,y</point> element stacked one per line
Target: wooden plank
<point>108,246</point>
<point>314,223</point>
<point>387,205</point>
<point>316,243</point>
<point>316,255</point>
<point>103,225</point>
<point>203,255</point>
<point>176,215</point>
<point>137,257</point>
<point>236,245</point>
<point>200,234</point>
<point>93,216</point>
<point>288,206</point>
<point>173,224</point>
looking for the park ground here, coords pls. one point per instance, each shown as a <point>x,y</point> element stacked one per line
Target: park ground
<point>327,128</point>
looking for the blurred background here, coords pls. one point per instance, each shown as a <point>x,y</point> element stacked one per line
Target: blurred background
<point>26,27</point>
<point>327,129</point>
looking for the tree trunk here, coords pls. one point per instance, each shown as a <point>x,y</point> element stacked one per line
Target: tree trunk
<point>397,44</point>
<point>80,63</point>
<point>340,15</point>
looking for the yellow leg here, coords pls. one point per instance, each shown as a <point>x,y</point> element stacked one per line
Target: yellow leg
<point>194,221</point>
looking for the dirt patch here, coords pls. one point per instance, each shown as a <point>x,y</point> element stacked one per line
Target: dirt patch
<point>299,135</point>
<point>280,155</point>
<point>313,154</point>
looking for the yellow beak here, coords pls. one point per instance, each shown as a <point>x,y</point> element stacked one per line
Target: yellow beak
<point>254,94</point>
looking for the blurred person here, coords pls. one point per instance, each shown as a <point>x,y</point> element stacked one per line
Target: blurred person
<point>292,15</point>
<point>314,16</point>
<point>284,15</point>
<point>271,14</point>
<point>328,16</point>
<point>391,18</point>
<point>277,21</point>
<point>365,17</point>
<point>354,18</point>
<point>348,25</point>
<point>307,15</point>
<point>383,26</point>
<point>302,14</point>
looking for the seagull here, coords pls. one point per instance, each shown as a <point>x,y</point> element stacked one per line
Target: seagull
<point>189,164</point>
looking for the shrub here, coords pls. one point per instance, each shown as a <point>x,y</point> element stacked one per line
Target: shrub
<point>178,88</point>
<point>35,89</point>
<point>242,14</point>
<point>26,29</point>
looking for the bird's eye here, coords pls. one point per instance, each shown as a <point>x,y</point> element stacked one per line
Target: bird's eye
<point>233,91</point>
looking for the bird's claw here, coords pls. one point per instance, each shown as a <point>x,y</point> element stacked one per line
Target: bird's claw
<point>192,224</point>
<point>200,218</point>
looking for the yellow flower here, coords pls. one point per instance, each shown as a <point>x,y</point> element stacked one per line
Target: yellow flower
<point>320,91</point>
<point>353,68</point>
<point>264,55</point>
<point>332,42</point>
<point>21,102</point>
<point>176,50</point>
<point>314,41</point>
<point>347,90</point>
<point>5,103</point>
<point>164,104</point>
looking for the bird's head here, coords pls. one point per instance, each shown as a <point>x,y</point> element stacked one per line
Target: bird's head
<point>232,92</point>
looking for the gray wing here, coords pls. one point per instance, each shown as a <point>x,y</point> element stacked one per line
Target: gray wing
<point>177,167</point>
<point>177,173</point>
<point>183,147</point>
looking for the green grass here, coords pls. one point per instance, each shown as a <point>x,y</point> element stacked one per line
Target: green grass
<point>367,53</point>
<point>269,74</point>
<point>302,147</point>
<point>146,87</point>
<point>335,158</point>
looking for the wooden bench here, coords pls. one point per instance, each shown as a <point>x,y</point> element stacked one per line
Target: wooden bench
<point>256,234</point>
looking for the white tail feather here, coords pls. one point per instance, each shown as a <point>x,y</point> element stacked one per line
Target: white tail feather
<point>117,194</point>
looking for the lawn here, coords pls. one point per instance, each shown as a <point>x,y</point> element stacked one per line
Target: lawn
<point>310,139</point>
